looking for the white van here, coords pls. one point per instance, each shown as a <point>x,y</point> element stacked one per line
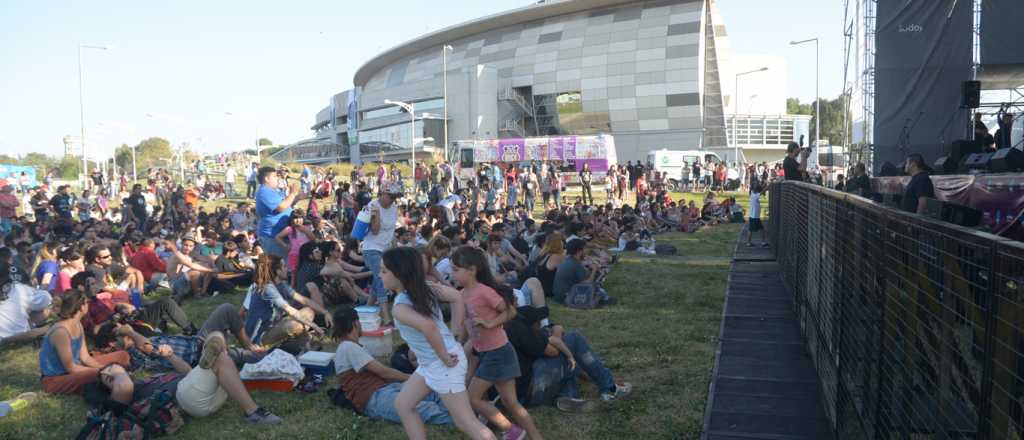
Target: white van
<point>673,161</point>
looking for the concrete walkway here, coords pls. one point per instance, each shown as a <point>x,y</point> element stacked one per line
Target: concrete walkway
<point>764,384</point>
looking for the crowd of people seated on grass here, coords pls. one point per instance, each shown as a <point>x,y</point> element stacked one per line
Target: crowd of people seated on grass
<point>463,270</point>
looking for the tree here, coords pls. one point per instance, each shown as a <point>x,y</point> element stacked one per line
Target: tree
<point>794,107</point>
<point>265,141</point>
<point>832,119</point>
<point>69,167</point>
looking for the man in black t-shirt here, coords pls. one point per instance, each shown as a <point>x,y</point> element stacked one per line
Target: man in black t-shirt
<point>859,184</point>
<point>795,170</point>
<point>920,186</point>
<point>97,179</point>
<point>551,361</point>
<point>137,203</point>
<point>40,206</point>
<point>61,202</point>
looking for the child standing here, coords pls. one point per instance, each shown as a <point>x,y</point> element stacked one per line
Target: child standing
<point>487,311</point>
<point>298,234</point>
<point>755,216</point>
<point>442,362</point>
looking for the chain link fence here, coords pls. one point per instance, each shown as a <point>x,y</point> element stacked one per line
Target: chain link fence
<point>913,325</point>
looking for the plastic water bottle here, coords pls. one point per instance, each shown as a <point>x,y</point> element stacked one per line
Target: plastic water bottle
<point>362,225</point>
<point>136,298</point>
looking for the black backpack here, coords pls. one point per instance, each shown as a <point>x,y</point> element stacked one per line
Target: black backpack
<point>665,249</point>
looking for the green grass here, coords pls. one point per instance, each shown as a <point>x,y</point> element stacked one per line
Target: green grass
<point>661,336</point>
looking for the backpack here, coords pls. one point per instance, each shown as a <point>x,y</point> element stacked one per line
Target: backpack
<point>581,296</point>
<point>664,249</point>
<point>154,416</point>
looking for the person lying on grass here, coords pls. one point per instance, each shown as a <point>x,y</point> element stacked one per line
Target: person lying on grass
<point>371,386</point>
<point>199,391</point>
<point>143,350</point>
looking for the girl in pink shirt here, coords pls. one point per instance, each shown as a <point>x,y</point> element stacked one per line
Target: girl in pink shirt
<point>488,306</point>
<point>298,234</point>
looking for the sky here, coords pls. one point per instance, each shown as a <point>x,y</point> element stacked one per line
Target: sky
<point>218,73</point>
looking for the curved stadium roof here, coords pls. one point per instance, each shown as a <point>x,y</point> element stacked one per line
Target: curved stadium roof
<point>449,34</point>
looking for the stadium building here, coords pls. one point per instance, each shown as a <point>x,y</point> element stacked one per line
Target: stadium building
<point>646,72</point>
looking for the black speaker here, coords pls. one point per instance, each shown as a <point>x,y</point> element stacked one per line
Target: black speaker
<point>971,92</point>
<point>1006,160</point>
<point>952,213</point>
<point>889,170</point>
<point>976,162</point>
<point>945,165</point>
<point>963,148</point>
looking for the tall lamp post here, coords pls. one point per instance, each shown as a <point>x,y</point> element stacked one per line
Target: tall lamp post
<point>817,95</point>
<point>444,67</point>
<point>412,128</point>
<point>736,111</point>
<point>81,105</point>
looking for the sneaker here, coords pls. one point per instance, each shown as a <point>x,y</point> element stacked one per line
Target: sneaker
<point>262,417</point>
<point>622,390</point>
<point>574,405</point>
<point>212,348</point>
<point>749,244</point>
<point>515,433</point>
<point>765,244</point>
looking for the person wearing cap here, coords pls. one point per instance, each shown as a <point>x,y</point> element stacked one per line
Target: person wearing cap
<point>382,232</point>
<point>273,208</point>
<point>230,272</point>
<point>8,208</point>
<point>552,359</point>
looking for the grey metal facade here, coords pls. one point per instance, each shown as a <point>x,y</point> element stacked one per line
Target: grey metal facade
<point>635,69</point>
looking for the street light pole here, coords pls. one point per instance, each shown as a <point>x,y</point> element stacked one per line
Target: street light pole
<point>444,66</point>
<point>736,111</point>
<point>412,129</point>
<point>817,94</point>
<point>135,171</point>
<point>81,107</point>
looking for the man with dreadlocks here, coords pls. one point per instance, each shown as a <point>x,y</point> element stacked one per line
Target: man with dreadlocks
<point>271,319</point>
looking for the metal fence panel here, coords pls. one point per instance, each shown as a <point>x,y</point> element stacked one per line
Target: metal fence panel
<point>914,325</point>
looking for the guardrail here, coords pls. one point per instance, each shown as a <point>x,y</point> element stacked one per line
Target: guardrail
<point>913,325</point>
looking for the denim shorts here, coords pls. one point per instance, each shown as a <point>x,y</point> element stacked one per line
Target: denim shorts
<point>498,364</point>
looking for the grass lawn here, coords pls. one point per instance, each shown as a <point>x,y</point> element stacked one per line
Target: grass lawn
<point>661,336</point>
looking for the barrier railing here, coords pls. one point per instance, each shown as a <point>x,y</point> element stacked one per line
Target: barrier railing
<point>913,325</point>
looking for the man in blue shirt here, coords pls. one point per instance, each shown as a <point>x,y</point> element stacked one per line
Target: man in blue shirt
<point>273,208</point>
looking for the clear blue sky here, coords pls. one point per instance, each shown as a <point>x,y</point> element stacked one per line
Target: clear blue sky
<point>176,67</point>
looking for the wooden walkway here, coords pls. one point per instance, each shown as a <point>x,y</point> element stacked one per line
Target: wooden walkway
<point>764,385</point>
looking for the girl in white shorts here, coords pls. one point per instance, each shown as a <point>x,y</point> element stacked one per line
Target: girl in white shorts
<point>442,362</point>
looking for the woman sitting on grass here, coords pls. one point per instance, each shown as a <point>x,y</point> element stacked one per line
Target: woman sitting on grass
<point>64,361</point>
